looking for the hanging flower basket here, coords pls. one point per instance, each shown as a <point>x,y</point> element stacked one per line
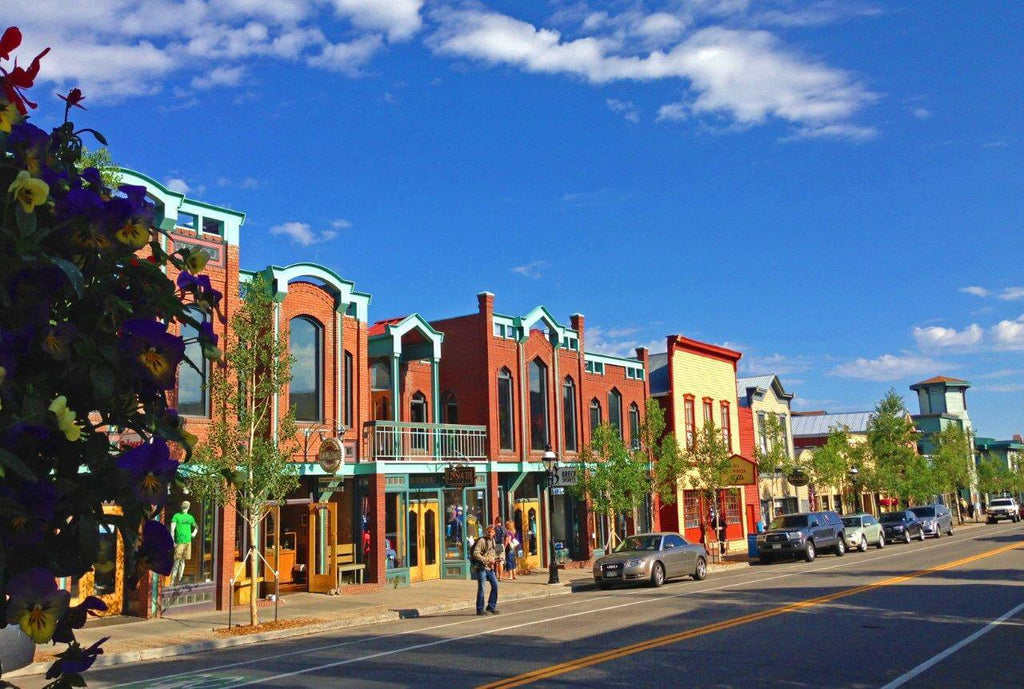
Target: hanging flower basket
<point>888,502</point>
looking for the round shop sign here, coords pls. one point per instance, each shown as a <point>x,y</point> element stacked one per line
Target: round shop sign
<point>330,455</point>
<point>798,478</point>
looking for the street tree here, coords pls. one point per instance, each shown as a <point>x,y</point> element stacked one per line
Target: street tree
<point>951,463</point>
<point>900,469</point>
<point>709,462</point>
<point>246,459</point>
<point>831,463</point>
<point>994,477</point>
<point>615,480</point>
<point>772,454</point>
<point>100,159</point>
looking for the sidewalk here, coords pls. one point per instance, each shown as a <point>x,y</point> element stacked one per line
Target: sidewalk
<point>134,640</point>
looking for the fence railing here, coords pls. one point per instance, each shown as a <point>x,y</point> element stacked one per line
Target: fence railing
<point>391,441</point>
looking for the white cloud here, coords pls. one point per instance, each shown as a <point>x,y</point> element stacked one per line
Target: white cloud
<point>533,270</point>
<point>400,19</point>
<point>976,291</point>
<point>1007,387</point>
<point>618,341</point>
<point>301,233</point>
<point>177,184</point>
<point>341,224</point>
<point>888,367</point>
<point>673,112</point>
<point>936,337</point>
<point>249,183</point>
<point>746,75</point>
<point>219,76</point>
<point>1008,335</point>
<point>348,58</point>
<point>626,108</point>
<point>779,364</point>
<point>1012,294</point>
<point>922,113</point>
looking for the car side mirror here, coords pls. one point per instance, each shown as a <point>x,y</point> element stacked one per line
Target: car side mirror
<point>814,524</point>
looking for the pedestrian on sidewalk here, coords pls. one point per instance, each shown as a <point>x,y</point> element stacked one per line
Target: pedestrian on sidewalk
<point>484,559</point>
<point>511,550</point>
<point>499,544</point>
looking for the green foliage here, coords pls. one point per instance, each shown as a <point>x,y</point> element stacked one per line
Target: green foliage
<point>995,477</point>
<point>831,463</point>
<point>709,461</point>
<point>662,452</point>
<point>893,441</point>
<point>102,161</point>
<point>777,456</point>
<point>951,461</point>
<point>615,479</point>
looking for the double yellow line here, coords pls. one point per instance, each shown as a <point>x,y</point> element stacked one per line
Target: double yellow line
<point>623,651</point>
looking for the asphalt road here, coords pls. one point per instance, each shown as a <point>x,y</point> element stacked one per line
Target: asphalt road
<point>947,612</point>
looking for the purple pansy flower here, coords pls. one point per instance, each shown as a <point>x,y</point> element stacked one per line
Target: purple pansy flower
<point>151,468</point>
<point>76,617</point>
<point>36,604</point>
<point>57,341</point>
<point>206,333</point>
<point>29,144</point>
<point>157,550</point>
<point>76,660</point>
<point>153,351</point>
<point>93,177</point>
<point>28,511</point>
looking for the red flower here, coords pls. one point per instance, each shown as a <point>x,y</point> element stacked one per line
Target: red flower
<point>10,40</point>
<point>73,99</point>
<point>21,78</point>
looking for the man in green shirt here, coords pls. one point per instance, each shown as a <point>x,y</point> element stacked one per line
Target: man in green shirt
<point>183,530</point>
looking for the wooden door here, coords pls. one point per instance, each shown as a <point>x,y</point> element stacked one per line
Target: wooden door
<point>423,520</point>
<point>322,562</point>
<point>527,521</point>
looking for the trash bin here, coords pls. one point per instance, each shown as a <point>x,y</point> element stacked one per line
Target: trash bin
<point>752,545</point>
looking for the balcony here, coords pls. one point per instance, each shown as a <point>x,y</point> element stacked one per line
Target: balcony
<point>395,441</point>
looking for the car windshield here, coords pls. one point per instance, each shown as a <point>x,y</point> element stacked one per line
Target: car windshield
<point>789,521</point>
<point>1001,503</point>
<point>923,511</point>
<point>891,517</point>
<point>851,521</point>
<point>639,543</point>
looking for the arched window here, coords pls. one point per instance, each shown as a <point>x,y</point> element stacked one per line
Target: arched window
<point>450,408</point>
<point>615,410</point>
<point>193,398</point>
<point>349,396</point>
<point>539,438</point>
<point>569,413</point>
<point>634,426</point>
<point>595,414</point>
<point>305,392</point>
<point>418,414</point>
<point>505,413</point>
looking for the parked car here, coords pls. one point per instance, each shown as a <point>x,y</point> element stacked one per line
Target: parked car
<point>802,534</point>
<point>901,525</point>
<point>863,530</point>
<point>936,519</point>
<point>652,558</point>
<point>1002,508</point>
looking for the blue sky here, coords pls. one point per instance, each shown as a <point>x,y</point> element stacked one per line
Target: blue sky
<point>833,187</point>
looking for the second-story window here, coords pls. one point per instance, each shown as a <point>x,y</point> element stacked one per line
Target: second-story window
<point>539,437</point>
<point>193,398</point>
<point>691,421</point>
<point>708,418</point>
<point>349,396</point>
<point>634,426</point>
<point>506,433</point>
<point>380,376</point>
<point>615,410</point>
<point>784,434</point>
<point>569,413</point>
<point>418,414</point>
<point>726,427</point>
<point>595,414</point>
<point>450,408</point>
<point>762,432</point>
<point>305,392</point>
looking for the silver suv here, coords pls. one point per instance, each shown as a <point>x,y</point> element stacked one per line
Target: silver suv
<point>1002,508</point>
<point>803,534</point>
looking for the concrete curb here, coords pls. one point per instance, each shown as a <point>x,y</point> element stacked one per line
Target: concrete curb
<point>125,657</point>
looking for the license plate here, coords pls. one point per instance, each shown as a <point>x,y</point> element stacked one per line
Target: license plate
<point>776,546</point>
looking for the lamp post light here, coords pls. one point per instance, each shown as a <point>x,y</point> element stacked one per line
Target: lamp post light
<point>550,460</point>
<point>854,473</point>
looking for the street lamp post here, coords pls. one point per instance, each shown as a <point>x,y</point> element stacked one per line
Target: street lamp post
<point>854,472</point>
<point>550,460</point>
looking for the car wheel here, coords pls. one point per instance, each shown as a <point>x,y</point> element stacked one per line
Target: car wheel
<point>840,548</point>
<point>906,536</point>
<point>810,552</point>
<point>950,532</point>
<point>765,559</point>
<point>881,540</point>
<point>991,521</point>
<point>938,532</point>
<point>863,545</point>
<point>701,572</point>
<point>920,534</point>
<point>658,575</point>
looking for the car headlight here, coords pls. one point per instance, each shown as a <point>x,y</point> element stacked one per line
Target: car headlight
<point>635,562</point>
<point>898,527</point>
<point>794,535</point>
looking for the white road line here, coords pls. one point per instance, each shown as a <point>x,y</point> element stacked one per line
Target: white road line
<point>903,679</point>
<point>439,642</point>
<point>795,569</point>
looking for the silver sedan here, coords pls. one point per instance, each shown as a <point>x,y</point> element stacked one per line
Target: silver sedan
<point>651,558</point>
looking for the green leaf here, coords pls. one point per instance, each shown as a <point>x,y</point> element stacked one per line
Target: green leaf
<point>102,381</point>
<point>12,461</point>
<point>99,137</point>
<point>26,221</point>
<point>73,274</point>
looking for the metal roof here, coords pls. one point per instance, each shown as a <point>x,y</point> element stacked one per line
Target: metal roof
<point>822,424</point>
<point>657,373</point>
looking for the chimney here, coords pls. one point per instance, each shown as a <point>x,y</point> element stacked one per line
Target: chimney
<point>485,301</point>
<point>576,321</point>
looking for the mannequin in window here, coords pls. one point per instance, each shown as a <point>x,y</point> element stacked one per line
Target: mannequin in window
<point>183,530</point>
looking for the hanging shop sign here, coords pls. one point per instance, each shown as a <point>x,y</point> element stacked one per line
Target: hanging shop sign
<point>565,476</point>
<point>741,471</point>
<point>798,478</point>
<point>459,476</point>
<point>330,455</point>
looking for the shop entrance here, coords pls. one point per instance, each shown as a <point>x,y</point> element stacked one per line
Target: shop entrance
<point>526,519</point>
<point>423,518</point>
<point>323,562</point>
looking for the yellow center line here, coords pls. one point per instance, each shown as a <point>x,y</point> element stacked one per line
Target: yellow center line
<point>623,651</point>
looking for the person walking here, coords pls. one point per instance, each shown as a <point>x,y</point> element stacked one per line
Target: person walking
<point>511,550</point>
<point>483,558</point>
<point>499,543</point>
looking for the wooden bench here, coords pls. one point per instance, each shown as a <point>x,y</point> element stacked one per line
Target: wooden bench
<point>346,559</point>
<point>240,595</point>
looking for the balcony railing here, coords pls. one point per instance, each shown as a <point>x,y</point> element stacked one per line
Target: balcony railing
<point>391,441</point>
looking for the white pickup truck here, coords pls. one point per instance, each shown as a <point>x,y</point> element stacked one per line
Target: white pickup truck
<point>1002,508</point>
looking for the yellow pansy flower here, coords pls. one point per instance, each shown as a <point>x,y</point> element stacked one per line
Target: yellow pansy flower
<point>9,116</point>
<point>29,191</point>
<point>65,418</point>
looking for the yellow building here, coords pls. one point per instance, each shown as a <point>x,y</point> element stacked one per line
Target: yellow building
<point>810,431</point>
<point>695,382</point>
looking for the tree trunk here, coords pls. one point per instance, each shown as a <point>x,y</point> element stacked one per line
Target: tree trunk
<point>254,614</point>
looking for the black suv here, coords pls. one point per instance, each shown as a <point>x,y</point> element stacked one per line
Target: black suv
<point>802,534</point>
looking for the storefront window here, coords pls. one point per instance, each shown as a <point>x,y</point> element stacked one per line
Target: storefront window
<point>395,531</point>
<point>105,567</point>
<point>198,562</point>
<point>691,510</point>
<point>538,405</point>
<point>465,520</point>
